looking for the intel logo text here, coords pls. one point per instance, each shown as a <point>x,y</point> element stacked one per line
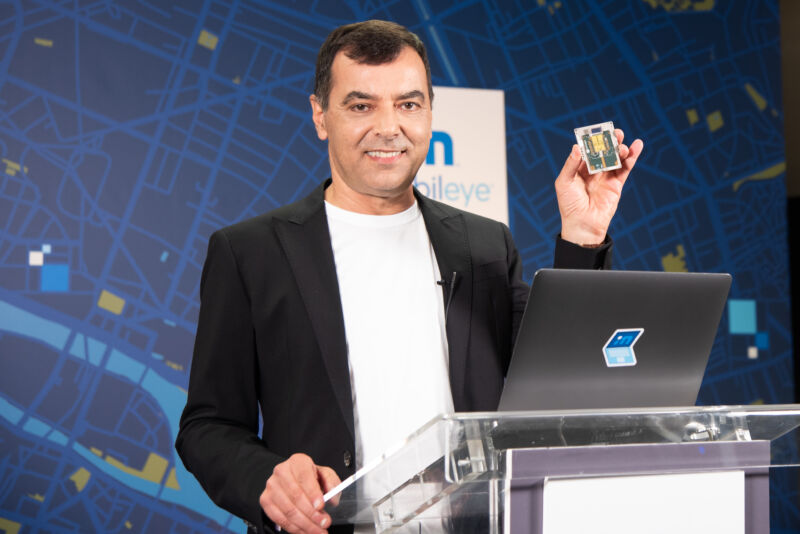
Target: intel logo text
<point>446,142</point>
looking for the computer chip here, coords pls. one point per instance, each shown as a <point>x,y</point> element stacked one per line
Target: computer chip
<point>599,147</point>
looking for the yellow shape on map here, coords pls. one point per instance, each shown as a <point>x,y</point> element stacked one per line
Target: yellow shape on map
<point>766,174</point>
<point>111,302</point>
<point>36,497</point>
<point>8,526</point>
<point>682,5</point>
<point>208,40</point>
<point>675,263</point>
<point>692,116</point>
<point>96,451</point>
<point>715,121</point>
<point>703,5</point>
<point>758,401</point>
<point>80,478</point>
<point>172,480</point>
<point>551,8</point>
<point>43,42</point>
<point>758,100</point>
<point>12,167</point>
<point>128,525</point>
<point>153,470</point>
<point>176,366</point>
<point>237,80</point>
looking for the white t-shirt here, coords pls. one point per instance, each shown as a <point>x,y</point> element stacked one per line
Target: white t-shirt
<point>394,324</point>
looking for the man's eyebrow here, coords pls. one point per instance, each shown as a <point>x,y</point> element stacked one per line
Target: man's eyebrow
<point>357,95</point>
<point>412,95</point>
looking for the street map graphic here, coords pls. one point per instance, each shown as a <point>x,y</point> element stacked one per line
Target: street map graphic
<point>131,130</point>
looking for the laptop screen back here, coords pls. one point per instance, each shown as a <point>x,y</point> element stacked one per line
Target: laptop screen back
<point>614,339</point>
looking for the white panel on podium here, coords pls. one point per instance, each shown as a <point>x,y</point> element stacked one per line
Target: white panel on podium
<point>711,503</point>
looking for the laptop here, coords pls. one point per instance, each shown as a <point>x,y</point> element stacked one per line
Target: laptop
<point>614,339</point>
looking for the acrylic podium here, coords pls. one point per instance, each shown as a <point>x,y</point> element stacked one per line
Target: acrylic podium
<point>698,469</point>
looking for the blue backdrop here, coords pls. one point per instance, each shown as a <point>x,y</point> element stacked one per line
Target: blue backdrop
<point>130,130</point>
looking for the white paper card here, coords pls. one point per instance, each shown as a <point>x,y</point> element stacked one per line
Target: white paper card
<point>693,502</point>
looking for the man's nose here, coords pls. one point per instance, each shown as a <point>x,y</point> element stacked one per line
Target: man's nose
<point>387,122</point>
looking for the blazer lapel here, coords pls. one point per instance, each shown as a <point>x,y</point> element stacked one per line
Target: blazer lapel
<point>305,238</point>
<point>448,235</point>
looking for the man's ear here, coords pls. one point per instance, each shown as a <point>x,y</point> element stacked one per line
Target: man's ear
<point>318,116</point>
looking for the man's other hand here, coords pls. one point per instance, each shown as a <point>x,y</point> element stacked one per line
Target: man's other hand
<point>587,202</point>
<point>292,498</point>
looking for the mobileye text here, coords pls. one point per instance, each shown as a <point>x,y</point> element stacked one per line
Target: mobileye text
<point>437,189</point>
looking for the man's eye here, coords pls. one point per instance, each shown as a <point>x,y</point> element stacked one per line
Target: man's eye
<point>360,107</point>
<point>409,106</point>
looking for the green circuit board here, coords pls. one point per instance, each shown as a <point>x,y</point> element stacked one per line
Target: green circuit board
<point>599,147</point>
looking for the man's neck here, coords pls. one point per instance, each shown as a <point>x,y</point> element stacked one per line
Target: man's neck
<point>347,199</point>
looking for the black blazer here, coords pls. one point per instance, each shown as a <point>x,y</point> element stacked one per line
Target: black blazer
<point>271,338</point>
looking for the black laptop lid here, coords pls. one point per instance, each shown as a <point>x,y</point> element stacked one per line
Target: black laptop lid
<point>614,339</point>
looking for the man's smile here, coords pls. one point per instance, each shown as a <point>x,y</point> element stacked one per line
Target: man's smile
<point>384,156</point>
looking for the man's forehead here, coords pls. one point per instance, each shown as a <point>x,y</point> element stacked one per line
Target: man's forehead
<point>352,72</point>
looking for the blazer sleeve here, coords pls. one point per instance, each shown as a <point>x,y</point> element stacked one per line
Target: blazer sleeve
<point>519,289</point>
<point>571,256</point>
<point>218,438</point>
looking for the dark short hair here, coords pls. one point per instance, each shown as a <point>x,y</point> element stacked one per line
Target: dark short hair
<point>373,42</point>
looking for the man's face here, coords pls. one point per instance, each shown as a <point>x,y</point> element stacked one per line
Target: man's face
<point>378,126</point>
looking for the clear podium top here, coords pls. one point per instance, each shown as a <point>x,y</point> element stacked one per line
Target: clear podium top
<point>454,458</point>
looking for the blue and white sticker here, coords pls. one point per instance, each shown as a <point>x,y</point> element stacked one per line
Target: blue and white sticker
<point>618,350</point>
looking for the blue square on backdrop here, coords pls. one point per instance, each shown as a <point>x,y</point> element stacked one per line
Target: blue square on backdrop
<point>742,316</point>
<point>762,340</point>
<point>55,277</point>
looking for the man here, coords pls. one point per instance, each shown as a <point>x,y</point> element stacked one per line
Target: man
<point>356,314</point>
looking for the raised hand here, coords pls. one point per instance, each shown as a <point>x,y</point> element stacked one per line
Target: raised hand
<point>587,202</point>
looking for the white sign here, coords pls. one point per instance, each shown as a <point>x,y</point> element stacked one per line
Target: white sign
<point>466,163</point>
<point>711,503</point>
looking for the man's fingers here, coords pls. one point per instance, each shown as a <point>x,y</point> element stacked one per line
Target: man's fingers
<point>290,477</point>
<point>634,152</point>
<point>270,504</point>
<point>304,494</point>
<point>328,479</point>
<point>292,497</point>
<point>277,517</point>
<point>306,475</point>
<point>571,166</point>
<point>294,519</point>
<point>312,498</point>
